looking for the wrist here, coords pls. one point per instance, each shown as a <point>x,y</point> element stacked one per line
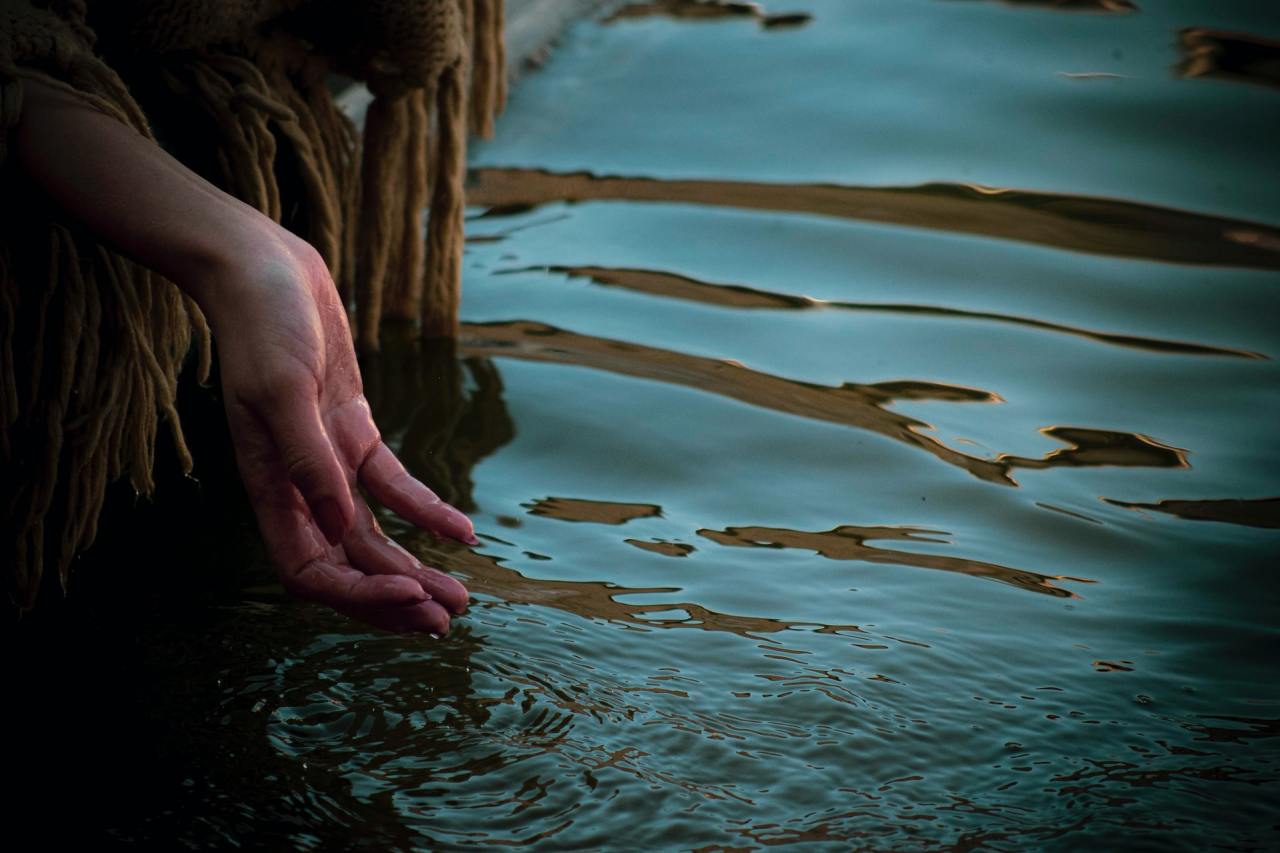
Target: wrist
<point>237,267</point>
<point>137,198</point>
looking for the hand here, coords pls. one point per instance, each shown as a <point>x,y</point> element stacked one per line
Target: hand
<point>304,437</point>
<point>303,434</point>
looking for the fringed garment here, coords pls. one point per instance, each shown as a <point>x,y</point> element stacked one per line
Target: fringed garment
<point>91,343</point>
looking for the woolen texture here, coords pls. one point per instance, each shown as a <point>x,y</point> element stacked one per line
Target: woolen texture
<point>91,343</point>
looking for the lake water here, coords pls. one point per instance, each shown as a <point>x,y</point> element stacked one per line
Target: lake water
<point>870,425</point>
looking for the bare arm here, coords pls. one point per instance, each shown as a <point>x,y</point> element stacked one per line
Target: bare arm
<point>303,432</point>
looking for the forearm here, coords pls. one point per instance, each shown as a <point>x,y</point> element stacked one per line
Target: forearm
<point>137,198</point>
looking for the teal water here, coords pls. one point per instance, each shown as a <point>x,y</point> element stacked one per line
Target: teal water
<point>870,425</point>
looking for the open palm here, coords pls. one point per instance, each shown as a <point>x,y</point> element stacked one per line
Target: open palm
<point>305,440</point>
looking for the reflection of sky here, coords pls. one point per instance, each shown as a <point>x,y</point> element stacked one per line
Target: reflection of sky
<point>898,92</point>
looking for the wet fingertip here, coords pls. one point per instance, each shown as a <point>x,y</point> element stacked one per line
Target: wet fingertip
<point>403,592</point>
<point>459,527</point>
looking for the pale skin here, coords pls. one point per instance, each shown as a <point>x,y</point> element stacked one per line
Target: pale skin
<point>303,433</point>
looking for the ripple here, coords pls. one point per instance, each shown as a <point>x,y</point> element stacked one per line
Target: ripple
<point>1226,55</point>
<point>1079,223</point>
<point>673,286</point>
<point>1253,729</point>
<point>485,575</point>
<point>596,512</point>
<point>849,543</point>
<point>862,406</point>
<point>1115,7</point>
<point>709,10</point>
<point>659,546</point>
<point>1260,512</point>
<point>1091,448</point>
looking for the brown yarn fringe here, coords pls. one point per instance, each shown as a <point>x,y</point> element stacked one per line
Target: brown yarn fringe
<point>92,348</point>
<point>444,223</point>
<point>488,69</point>
<point>90,354</point>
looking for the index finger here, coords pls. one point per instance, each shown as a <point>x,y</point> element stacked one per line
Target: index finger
<point>388,481</point>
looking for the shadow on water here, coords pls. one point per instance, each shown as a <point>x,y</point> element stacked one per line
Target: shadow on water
<point>673,286</point>
<point>419,394</point>
<point>1080,223</point>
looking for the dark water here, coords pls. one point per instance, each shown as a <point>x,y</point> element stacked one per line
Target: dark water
<point>870,422</point>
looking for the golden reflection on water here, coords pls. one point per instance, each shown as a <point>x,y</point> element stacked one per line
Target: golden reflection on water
<point>1099,447</point>
<point>1226,55</point>
<point>599,512</point>
<point>708,10</point>
<point>486,575</point>
<point>1080,223</point>
<point>1262,512</point>
<point>661,546</point>
<point>849,542</point>
<point>673,286</point>
<point>862,406</point>
<point>1121,7</point>
<point>859,406</point>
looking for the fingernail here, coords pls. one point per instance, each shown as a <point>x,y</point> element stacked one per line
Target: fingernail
<point>329,516</point>
<point>472,540</point>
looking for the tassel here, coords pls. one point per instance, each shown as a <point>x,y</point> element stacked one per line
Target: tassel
<point>404,285</point>
<point>444,225</point>
<point>381,209</point>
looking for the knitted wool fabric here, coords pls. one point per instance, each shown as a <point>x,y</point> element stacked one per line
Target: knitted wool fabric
<point>91,344</point>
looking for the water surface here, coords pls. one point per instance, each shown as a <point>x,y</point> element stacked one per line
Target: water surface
<point>869,422</point>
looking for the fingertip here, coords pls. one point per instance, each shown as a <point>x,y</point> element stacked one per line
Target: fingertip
<point>427,617</point>
<point>400,590</point>
<point>467,537</point>
<point>423,617</point>
<point>459,527</point>
<point>447,591</point>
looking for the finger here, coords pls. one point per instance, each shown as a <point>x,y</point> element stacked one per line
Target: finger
<point>372,552</point>
<point>388,481</point>
<point>287,528</point>
<point>426,617</point>
<point>390,602</point>
<point>343,588</point>
<point>293,419</point>
<point>310,569</point>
